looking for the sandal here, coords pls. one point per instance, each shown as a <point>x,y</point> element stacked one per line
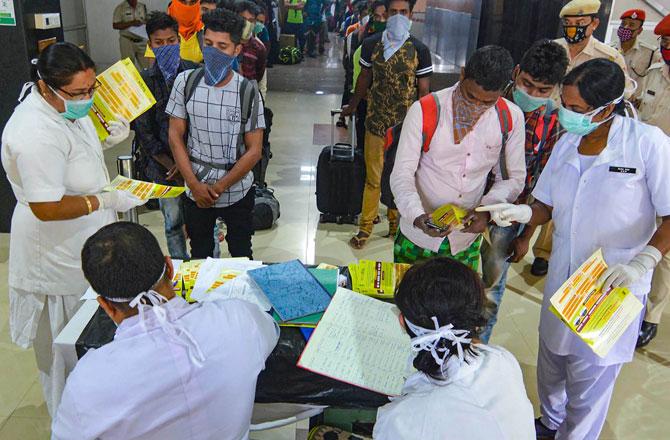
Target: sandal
<point>393,230</point>
<point>377,220</point>
<point>358,241</point>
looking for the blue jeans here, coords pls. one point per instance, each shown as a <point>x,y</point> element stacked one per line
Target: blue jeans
<point>494,269</point>
<point>173,213</point>
<point>297,29</point>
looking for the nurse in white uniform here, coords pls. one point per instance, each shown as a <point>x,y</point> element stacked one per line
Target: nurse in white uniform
<point>463,389</point>
<point>603,186</point>
<point>54,163</point>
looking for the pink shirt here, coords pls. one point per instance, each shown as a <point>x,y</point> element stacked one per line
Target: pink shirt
<point>454,173</point>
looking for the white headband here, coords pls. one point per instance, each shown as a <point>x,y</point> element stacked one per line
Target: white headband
<point>428,340</point>
<point>176,332</point>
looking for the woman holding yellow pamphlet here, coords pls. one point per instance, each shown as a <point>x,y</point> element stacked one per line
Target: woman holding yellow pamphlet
<point>603,186</point>
<point>54,162</point>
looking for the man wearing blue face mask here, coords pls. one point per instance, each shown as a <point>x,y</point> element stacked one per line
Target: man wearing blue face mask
<point>221,114</point>
<point>154,158</point>
<point>538,75</point>
<point>395,70</point>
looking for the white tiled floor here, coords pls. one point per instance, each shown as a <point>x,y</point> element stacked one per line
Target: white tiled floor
<point>640,405</point>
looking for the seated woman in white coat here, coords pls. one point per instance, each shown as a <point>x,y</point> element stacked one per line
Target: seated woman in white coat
<point>463,389</point>
<point>174,370</point>
<point>604,184</point>
<point>55,165</point>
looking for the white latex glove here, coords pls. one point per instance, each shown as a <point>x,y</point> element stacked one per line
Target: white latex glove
<point>626,274</point>
<point>119,131</point>
<point>119,201</point>
<point>503,214</point>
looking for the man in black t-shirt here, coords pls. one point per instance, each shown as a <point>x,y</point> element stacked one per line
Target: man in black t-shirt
<point>395,68</point>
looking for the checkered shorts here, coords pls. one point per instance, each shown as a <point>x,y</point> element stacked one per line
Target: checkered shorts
<point>404,251</point>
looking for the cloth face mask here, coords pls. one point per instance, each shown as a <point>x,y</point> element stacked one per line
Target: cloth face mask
<point>624,34</point>
<point>665,54</point>
<point>466,114</point>
<point>168,58</point>
<point>574,34</point>
<point>217,65</point>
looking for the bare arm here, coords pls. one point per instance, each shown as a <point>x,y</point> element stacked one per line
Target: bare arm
<point>541,213</point>
<point>254,143</point>
<point>661,238</point>
<point>67,208</point>
<point>362,86</point>
<point>423,85</point>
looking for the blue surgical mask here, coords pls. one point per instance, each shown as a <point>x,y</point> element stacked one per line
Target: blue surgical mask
<point>526,102</point>
<point>397,27</point>
<point>258,28</point>
<point>168,59</point>
<point>582,123</point>
<point>75,109</point>
<point>217,65</point>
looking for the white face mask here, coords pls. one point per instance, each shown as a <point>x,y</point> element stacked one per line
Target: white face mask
<point>397,27</point>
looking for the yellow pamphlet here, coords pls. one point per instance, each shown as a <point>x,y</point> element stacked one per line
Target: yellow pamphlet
<point>144,190</point>
<point>449,216</point>
<point>376,278</point>
<point>121,92</point>
<point>598,318</point>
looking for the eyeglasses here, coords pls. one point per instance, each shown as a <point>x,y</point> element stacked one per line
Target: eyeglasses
<point>81,96</point>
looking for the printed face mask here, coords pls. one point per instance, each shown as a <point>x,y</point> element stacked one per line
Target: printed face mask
<point>665,54</point>
<point>574,34</point>
<point>75,109</point>
<point>217,65</point>
<point>624,34</point>
<point>168,58</point>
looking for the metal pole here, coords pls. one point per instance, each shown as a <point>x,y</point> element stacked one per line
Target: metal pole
<point>125,167</point>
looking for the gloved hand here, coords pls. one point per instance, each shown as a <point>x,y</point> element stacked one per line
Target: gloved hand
<point>626,274</point>
<point>119,130</point>
<point>119,201</point>
<point>503,214</point>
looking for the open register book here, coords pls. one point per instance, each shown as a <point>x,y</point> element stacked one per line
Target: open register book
<point>598,318</point>
<point>359,341</point>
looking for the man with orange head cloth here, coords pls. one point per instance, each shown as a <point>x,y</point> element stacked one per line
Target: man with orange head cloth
<point>189,16</point>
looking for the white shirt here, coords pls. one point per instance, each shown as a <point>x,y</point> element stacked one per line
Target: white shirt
<point>46,157</point>
<point>486,400</point>
<point>143,386</point>
<point>612,205</point>
<point>454,173</point>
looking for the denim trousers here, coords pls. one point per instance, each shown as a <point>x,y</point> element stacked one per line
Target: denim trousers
<point>495,267</point>
<point>173,214</point>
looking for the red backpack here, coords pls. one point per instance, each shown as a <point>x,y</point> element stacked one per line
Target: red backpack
<point>430,109</point>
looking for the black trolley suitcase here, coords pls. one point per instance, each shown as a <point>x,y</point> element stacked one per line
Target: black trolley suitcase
<point>340,178</point>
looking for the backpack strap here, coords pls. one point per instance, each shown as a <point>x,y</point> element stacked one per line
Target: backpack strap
<point>430,109</point>
<point>192,81</point>
<point>248,111</point>
<point>506,126</point>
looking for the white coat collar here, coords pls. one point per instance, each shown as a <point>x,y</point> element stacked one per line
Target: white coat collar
<point>612,152</point>
<point>132,326</point>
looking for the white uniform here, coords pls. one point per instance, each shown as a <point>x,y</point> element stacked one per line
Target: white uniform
<point>144,385</point>
<point>611,205</point>
<point>46,157</point>
<point>486,400</point>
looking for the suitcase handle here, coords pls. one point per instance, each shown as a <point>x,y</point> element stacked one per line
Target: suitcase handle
<point>352,124</point>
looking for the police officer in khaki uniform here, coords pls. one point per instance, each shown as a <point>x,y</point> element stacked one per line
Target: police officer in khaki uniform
<point>128,14</point>
<point>580,20</point>
<point>653,98</point>
<point>639,55</point>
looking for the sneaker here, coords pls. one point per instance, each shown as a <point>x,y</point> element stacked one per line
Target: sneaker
<point>540,267</point>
